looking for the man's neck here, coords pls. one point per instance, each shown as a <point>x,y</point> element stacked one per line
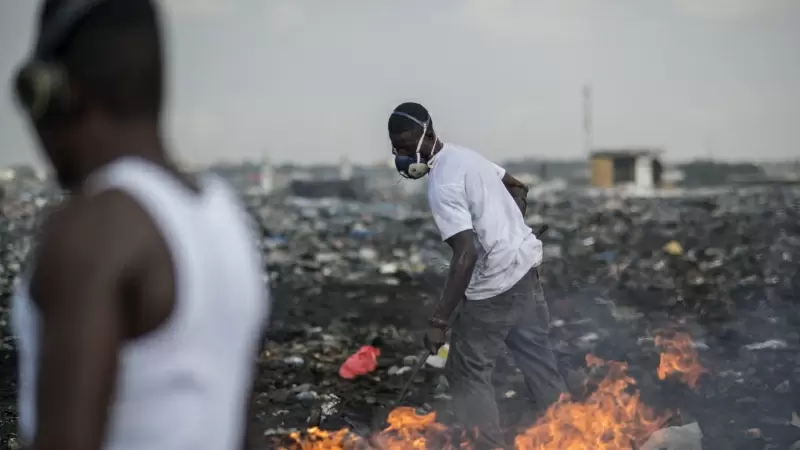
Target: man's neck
<point>438,147</point>
<point>433,151</point>
<point>130,139</point>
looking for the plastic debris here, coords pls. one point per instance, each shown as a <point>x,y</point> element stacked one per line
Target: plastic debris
<point>345,273</point>
<point>439,360</point>
<point>364,361</point>
<point>673,248</point>
<point>686,437</point>
<point>773,344</point>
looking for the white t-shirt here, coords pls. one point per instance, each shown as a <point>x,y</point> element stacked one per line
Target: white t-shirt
<point>466,191</point>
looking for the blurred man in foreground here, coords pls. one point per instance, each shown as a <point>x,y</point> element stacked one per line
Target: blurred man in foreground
<point>495,256</point>
<point>140,315</point>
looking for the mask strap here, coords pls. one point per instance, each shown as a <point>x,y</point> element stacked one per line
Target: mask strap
<point>409,117</point>
<point>433,149</point>
<point>419,143</point>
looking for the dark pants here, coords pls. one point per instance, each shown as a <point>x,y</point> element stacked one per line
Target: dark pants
<point>518,318</point>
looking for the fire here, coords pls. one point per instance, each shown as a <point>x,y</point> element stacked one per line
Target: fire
<point>678,358</point>
<point>613,417</point>
<point>317,439</point>
<point>406,431</point>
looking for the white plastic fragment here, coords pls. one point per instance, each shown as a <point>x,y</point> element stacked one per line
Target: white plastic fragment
<point>772,344</point>
<point>440,359</point>
<point>686,437</point>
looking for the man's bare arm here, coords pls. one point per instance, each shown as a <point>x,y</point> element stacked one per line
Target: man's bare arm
<point>458,278</point>
<point>76,287</point>
<point>512,182</point>
<point>518,191</point>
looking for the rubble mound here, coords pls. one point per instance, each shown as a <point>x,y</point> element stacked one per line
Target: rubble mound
<point>721,267</point>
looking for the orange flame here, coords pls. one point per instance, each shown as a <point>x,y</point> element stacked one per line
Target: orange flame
<point>613,417</point>
<point>678,358</point>
<point>317,439</point>
<point>406,431</point>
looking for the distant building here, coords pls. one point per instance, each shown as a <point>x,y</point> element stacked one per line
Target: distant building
<point>671,178</point>
<point>242,177</point>
<point>353,188</point>
<point>638,168</point>
<point>345,169</point>
<point>267,177</point>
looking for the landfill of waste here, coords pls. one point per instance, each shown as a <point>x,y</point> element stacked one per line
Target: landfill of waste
<point>691,302</point>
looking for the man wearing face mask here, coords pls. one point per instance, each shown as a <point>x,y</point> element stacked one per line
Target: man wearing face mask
<point>494,267</point>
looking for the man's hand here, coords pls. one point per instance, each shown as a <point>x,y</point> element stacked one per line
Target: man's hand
<point>461,265</point>
<point>520,196</point>
<point>434,339</point>
<point>522,204</point>
<point>517,190</point>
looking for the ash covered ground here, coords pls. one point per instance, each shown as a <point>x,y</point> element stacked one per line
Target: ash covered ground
<point>347,275</point>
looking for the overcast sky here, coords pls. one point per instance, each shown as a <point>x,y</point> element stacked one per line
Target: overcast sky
<point>315,80</point>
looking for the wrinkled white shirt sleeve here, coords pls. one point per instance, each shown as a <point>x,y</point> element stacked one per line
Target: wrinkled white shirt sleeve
<point>450,209</point>
<point>499,170</point>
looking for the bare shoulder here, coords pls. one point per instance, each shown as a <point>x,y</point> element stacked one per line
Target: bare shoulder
<point>87,222</point>
<point>94,237</point>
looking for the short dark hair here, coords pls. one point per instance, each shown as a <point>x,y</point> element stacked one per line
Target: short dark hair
<point>400,124</point>
<point>115,55</point>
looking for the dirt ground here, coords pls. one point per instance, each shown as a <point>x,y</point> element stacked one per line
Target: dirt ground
<point>728,410</point>
<point>750,411</point>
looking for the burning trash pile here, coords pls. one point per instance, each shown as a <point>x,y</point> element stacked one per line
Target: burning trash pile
<point>611,417</point>
<point>721,267</point>
<point>346,277</point>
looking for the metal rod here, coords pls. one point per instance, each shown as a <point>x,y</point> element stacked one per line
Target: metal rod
<point>422,357</point>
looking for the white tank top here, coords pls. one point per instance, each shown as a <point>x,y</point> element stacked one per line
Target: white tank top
<point>185,385</point>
